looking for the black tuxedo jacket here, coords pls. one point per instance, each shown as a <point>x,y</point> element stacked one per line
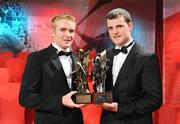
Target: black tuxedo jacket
<point>43,85</point>
<point>137,90</point>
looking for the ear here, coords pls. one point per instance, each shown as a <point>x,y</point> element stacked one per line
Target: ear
<point>52,32</point>
<point>130,26</point>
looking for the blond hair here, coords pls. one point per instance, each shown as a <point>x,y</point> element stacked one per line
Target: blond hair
<point>61,17</point>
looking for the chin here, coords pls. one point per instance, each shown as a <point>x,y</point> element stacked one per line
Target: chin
<point>118,43</point>
<point>67,46</point>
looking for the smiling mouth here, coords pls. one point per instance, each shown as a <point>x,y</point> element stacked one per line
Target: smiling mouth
<point>116,36</point>
<point>68,40</point>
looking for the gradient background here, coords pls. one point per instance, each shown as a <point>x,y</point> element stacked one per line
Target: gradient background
<point>25,27</point>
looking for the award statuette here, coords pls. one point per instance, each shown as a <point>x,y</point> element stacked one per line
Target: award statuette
<point>81,78</point>
<point>99,74</point>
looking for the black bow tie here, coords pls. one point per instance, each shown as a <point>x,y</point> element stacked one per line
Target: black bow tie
<point>61,53</point>
<point>123,49</point>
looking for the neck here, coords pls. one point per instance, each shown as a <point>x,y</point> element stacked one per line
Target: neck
<point>59,47</point>
<point>125,43</point>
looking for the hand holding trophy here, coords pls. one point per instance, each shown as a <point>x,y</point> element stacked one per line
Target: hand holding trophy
<point>99,75</point>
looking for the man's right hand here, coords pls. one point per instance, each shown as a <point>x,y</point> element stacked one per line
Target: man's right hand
<point>67,100</point>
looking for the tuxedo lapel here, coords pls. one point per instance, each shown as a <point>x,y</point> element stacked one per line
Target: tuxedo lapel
<point>58,65</point>
<point>109,80</point>
<point>127,64</point>
<point>54,58</point>
<point>74,60</point>
<point>56,62</point>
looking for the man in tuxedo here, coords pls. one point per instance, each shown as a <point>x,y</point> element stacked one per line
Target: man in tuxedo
<point>133,75</point>
<point>47,84</point>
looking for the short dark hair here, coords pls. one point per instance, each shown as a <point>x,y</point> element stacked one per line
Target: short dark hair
<point>115,13</point>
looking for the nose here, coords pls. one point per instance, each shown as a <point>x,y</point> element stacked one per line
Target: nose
<point>114,32</point>
<point>67,34</point>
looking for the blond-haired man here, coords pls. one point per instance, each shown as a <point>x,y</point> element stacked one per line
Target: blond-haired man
<point>47,84</point>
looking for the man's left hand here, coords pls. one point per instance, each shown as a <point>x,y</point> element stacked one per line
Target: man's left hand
<point>111,106</point>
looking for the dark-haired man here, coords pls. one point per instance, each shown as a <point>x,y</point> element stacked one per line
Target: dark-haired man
<point>133,75</point>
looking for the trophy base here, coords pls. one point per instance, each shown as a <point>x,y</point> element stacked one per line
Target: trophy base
<point>100,98</point>
<point>83,98</point>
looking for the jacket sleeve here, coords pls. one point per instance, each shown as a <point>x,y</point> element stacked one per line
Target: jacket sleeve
<point>151,89</point>
<point>30,95</point>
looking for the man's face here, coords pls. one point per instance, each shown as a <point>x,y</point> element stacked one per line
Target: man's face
<point>119,30</point>
<point>64,33</point>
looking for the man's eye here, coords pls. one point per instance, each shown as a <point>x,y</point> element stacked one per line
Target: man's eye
<point>110,28</point>
<point>62,29</point>
<point>71,31</point>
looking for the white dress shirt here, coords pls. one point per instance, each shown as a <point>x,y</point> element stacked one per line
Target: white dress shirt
<point>119,61</point>
<point>66,64</point>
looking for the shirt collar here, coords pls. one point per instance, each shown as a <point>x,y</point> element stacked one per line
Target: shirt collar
<point>131,40</point>
<point>59,48</point>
